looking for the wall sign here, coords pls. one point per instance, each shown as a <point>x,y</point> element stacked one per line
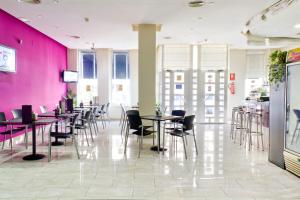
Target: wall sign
<point>232,76</point>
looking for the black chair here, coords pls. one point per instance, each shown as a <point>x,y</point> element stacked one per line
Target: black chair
<point>170,126</point>
<point>17,114</point>
<point>70,134</point>
<point>85,123</point>
<point>135,124</point>
<point>43,109</point>
<point>182,131</point>
<point>6,131</point>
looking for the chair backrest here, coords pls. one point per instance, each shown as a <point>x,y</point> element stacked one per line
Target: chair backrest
<point>87,115</point>
<point>17,113</point>
<point>297,113</point>
<point>180,113</point>
<point>188,122</point>
<point>2,118</point>
<point>134,119</point>
<point>102,107</point>
<point>43,109</point>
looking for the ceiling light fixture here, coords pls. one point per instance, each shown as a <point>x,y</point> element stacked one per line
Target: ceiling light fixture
<point>196,4</point>
<point>74,36</point>
<point>167,37</point>
<point>30,1</point>
<point>23,19</point>
<point>297,26</point>
<point>56,1</point>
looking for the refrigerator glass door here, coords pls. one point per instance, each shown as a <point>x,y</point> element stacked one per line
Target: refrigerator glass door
<point>292,134</point>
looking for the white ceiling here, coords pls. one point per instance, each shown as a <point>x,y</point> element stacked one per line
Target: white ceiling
<point>110,21</point>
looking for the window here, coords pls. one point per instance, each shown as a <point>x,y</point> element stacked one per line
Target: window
<point>120,78</point>
<point>87,86</point>
<point>89,65</point>
<point>121,67</point>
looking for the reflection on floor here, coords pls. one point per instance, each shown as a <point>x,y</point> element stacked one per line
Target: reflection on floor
<point>222,170</point>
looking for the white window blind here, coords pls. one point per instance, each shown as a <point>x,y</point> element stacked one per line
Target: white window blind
<point>177,57</point>
<point>213,57</point>
<point>255,64</point>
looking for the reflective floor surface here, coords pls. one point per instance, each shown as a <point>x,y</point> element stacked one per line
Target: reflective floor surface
<point>222,170</point>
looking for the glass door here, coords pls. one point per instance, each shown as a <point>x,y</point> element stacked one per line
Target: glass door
<point>292,136</point>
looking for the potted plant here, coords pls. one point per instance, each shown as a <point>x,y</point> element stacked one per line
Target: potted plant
<point>71,95</point>
<point>277,63</point>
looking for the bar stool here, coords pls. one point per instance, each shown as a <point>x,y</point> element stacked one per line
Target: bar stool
<point>233,121</point>
<point>238,123</point>
<point>254,116</point>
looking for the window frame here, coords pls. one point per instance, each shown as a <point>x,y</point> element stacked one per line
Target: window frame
<point>114,75</point>
<point>94,67</point>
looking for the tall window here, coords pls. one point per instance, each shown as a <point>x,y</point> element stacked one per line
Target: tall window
<point>89,65</point>
<point>87,84</point>
<point>120,78</point>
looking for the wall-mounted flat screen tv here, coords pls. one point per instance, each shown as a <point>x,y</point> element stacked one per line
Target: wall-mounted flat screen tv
<point>70,76</point>
<point>7,59</point>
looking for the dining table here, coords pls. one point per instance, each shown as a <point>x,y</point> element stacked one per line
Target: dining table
<point>38,122</point>
<point>158,120</point>
<point>64,116</point>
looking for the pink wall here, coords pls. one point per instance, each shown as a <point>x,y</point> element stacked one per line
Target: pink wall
<point>40,60</point>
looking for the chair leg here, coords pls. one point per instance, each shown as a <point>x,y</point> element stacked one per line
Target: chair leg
<point>91,131</point>
<point>184,146</point>
<point>164,139</point>
<point>126,139</point>
<point>76,146</point>
<point>195,141</point>
<point>87,141</point>
<point>3,141</point>
<point>49,145</point>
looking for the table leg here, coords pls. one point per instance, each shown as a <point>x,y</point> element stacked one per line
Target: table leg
<point>34,155</point>
<point>56,142</point>
<point>157,147</point>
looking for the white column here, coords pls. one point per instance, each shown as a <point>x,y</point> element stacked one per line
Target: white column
<point>104,70</point>
<point>147,68</point>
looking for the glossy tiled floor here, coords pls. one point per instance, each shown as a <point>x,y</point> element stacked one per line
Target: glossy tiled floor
<point>222,170</point>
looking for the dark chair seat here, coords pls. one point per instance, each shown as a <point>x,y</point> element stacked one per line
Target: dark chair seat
<point>145,132</point>
<point>14,131</point>
<point>61,135</point>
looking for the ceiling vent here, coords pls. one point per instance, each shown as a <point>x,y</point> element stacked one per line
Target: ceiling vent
<point>30,1</point>
<point>195,4</point>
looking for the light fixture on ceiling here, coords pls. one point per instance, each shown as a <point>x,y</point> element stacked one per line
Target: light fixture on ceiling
<point>86,19</point>
<point>199,3</point>
<point>297,26</point>
<point>196,3</point>
<point>93,47</point>
<point>30,1</point>
<point>56,1</point>
<point>74,36</point>
<point>23,19</point>
<point>167,37</point>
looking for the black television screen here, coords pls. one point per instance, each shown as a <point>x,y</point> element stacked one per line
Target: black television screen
<point>70,76</point>
<point>7,59</point>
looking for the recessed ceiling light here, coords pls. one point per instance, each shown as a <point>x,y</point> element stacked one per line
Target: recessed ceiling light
<point>199,18</point>
<point>86,19</point>
<point>23,19</point>
<point>197,3</point>
<point>30,1</point>
<point>167,37</point>
<point>56,1</point>
<point>74,36</point>
<point>297,26</point>
<point>40,16</point>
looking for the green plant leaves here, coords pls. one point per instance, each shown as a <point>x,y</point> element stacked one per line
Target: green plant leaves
<point>277,62</point>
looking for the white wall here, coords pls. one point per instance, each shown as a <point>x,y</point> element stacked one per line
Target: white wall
<point>237,65</point>
<point>73,63</point>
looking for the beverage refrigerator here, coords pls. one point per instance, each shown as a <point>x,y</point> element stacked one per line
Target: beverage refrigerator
<point>292,118</point>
